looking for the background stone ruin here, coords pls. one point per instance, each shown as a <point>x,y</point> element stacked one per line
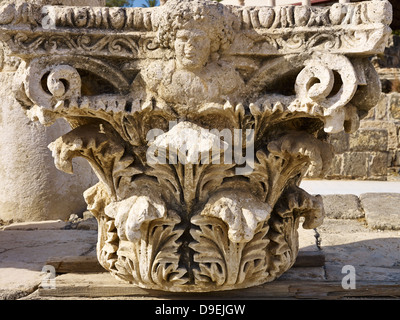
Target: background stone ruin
<point>373,152</point>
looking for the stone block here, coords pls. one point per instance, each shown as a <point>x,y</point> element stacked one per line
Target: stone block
<point>382,210</point>
<point>24,253</point>
<point>381,107</point>
<point>396,160</point>
<point>369,140</point>
<point>378,164</point>
<point>370,115</point>
<point>37,225</point>
<point>355,164</point>
<point>335,169</point>
<point>89,224</point>
<point>339,141</point>
<point>342,206</point>
<point>391,128</point>
<point>394,106</point>
<point>397,126</point>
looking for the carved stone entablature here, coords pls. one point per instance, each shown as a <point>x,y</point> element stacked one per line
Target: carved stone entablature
<point>357,28</point>
<point>200,121</point>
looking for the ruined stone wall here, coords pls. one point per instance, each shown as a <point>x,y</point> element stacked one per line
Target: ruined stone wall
<point>373,152</point>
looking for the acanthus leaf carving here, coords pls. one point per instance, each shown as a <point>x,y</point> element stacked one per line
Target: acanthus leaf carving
<point>223,263</point>
<point>153,260</point>
<point>240,211</point>
<point>98,145</point>
<point>131,213</point>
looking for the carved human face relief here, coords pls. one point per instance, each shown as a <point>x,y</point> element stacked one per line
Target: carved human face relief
<point>192,49</point>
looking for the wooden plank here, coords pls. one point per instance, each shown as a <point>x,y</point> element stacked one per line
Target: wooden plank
<point>105,285</point>
<point>334,290</point>
<point>75,264</point>
<point>90,264</point>
<point>95,285</point>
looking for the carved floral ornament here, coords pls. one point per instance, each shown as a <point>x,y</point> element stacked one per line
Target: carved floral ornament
<point>200,121</point>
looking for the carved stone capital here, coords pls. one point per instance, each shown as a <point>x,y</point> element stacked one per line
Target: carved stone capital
<point>200,121</point>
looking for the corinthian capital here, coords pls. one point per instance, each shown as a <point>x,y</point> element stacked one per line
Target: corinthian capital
<point>200,121</point>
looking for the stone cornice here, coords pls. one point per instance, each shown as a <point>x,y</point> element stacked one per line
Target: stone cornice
<point>352,28</point>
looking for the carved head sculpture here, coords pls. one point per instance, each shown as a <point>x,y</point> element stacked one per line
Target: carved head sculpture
<point>193,48</point>
<point>196,32</point>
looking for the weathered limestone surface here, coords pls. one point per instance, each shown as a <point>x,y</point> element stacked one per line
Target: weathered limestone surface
<point>382,210</point>
<point>39,225</point>
<point>374,253</point>
<point>200,120</point>
<point>94,3</point>
<point>31,188</point>
<point>347,242</point>
<point>342,206</point>
<point>23,254</point>
<point>379,157</point>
